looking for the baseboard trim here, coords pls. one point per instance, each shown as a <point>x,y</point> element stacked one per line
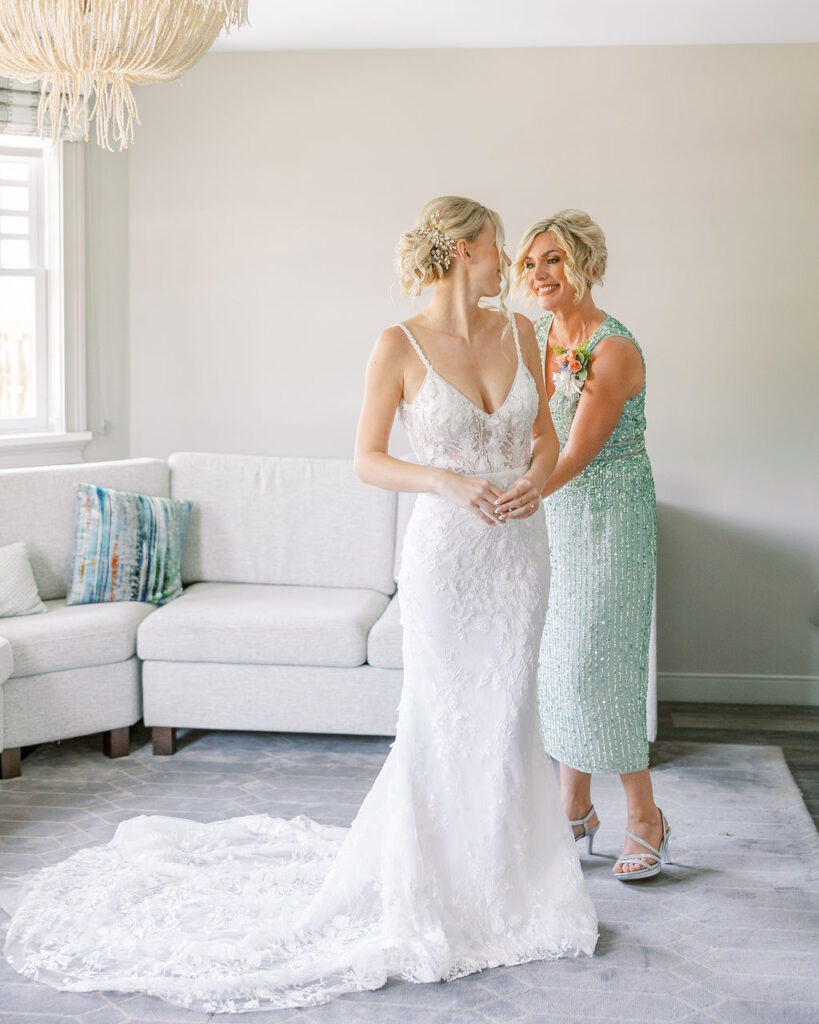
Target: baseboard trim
<point>730,688</point>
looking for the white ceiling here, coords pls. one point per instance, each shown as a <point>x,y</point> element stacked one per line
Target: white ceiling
<point>410,24</point>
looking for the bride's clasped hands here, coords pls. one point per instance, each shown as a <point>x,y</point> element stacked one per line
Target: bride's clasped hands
<point>489,502</point>
<point>521,501</point>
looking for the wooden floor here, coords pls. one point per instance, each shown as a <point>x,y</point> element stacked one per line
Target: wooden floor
<point>794,729</point>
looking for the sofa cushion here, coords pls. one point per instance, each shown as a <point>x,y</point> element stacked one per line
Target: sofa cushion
<point>74,636</point>
<point>300,522</point>
<point>37,506</point>
<point>384,644</point>
<point>263,624</point>
<point>127,547</point>
<point>6,660</point>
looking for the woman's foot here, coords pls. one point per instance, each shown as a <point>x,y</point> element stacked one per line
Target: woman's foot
<point>575,793</point>
<point>637,858</point>
<point>587,827</point>
<point>585,824</point>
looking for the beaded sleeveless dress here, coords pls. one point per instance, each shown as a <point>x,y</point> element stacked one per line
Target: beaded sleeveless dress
<point>593,674</point>
<point>460,857</point>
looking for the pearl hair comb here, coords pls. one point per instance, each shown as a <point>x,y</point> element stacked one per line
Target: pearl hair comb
<point>443,246</point>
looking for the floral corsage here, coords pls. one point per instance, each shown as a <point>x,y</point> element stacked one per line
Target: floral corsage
<point>573,363</point>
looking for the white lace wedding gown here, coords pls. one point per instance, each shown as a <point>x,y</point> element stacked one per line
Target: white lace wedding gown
<point>460,858</point>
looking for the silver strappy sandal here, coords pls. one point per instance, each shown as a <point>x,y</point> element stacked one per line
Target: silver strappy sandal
<point>589,833</point>
<point>651,862</point>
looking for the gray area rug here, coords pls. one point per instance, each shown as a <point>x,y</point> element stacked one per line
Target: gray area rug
<point>729,933</point>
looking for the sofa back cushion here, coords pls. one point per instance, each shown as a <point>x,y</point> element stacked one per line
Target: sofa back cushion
<point>297,521</point>
<point>37,506</point>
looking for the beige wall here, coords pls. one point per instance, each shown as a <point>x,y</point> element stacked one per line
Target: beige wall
<point>106,303</point>
<point>266,195</point>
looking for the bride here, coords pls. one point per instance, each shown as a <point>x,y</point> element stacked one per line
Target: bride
<point>460,857</point>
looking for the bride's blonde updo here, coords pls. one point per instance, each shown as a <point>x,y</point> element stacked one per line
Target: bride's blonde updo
<point>582,240</point>
<point>424,254</point>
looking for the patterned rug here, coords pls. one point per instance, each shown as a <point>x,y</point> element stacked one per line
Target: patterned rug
<point>729,933</point>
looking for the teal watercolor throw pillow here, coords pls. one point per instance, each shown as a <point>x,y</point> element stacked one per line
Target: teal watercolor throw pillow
<point>127,547</point>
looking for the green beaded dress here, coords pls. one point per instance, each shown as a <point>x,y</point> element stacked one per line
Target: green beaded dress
<point>593,670</point>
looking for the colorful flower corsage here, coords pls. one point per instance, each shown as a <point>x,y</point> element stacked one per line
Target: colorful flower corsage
<point>573,363</point>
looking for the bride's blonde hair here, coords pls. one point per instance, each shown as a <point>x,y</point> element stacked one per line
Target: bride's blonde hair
<point>424,253</point>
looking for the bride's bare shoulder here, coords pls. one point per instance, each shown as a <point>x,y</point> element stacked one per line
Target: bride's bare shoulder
<point>392,350</point>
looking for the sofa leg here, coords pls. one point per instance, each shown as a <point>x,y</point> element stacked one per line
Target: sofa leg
<point>164,740</point>
<point>116,742</point>
<point>10,763</point>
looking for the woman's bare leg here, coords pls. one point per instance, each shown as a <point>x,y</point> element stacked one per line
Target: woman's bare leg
<point>575,788</point>
<point>643,817</point>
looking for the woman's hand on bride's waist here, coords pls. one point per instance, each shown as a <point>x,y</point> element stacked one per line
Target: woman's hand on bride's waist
<point>519,501</point>
<point>470,492</point>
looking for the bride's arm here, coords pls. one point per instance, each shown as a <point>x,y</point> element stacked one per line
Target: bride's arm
<point>515,503</point>
<point>383,388</point>
<point>545,445</point>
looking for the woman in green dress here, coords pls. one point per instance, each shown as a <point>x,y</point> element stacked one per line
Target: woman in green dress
<point>601,516</point>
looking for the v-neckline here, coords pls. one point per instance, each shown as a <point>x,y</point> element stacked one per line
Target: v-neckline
<point>549,331</point>
<point>431,369</point>
<point>466,398</point>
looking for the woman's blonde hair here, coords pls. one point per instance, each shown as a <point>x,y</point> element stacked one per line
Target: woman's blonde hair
<point>424,253</point>
<point>581,239</point>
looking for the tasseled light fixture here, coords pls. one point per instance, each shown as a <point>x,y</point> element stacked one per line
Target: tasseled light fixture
<point>88,54</point>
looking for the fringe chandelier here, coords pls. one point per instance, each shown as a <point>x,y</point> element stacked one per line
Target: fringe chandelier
<point>88,53</point>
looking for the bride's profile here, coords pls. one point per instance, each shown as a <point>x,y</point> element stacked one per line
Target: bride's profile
<point>460,857</point>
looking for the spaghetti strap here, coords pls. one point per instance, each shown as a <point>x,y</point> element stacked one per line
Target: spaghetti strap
<point>517,339</point>
<point>416,346</point>
<point>542,327</point>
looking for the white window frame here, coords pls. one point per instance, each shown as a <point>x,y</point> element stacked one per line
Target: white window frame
<point>60,433</point>
<point>38,273</point>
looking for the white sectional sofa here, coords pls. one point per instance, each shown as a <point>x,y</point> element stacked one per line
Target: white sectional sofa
<point>288,570</point>
<point>289,620</point>
<point>75,669</point>
<point>6,668</point>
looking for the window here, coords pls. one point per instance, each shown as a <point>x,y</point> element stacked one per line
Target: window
<point>23,290</point>
<point>42,344</point>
